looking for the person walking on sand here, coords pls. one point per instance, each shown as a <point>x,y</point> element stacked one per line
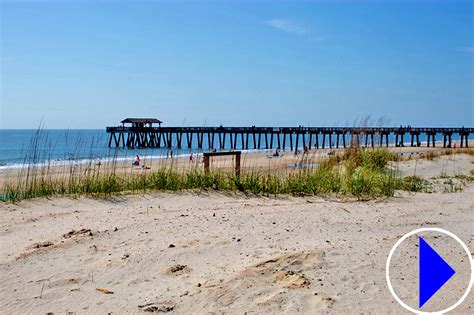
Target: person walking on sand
<point>191,158</point>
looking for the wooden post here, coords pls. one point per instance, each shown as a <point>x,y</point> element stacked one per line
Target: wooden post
<point>189,139</point>
<point>179,136</point>
<point>220,140</point>
<point>237,164</point>
<point>206,164</point>
<point>200,136</point>
<point>170,143</point>
<point>234,142</point>
<point>296,142</point>
<point>110,138</point>
<point>208,155</point>
<point>291,141</point>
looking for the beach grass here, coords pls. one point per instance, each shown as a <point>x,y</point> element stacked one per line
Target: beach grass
<point>357,172</point>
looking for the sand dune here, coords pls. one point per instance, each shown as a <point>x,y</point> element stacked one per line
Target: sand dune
<point>213,253</point>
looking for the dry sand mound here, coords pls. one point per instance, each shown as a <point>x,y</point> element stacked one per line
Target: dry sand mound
<point>230,254</point>
<point>277,284</point>
<point>72,236</point>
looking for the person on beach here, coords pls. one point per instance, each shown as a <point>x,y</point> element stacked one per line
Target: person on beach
<point>136,162</point>
<point>191,158</point>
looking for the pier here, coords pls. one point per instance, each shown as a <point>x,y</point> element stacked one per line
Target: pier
<point>143,133</point>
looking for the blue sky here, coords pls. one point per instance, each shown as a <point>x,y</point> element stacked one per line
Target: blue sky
<point>88,64</point>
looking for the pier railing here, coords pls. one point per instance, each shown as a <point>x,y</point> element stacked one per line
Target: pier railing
<point>277,137</point>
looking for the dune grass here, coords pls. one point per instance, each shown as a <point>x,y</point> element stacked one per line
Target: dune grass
<point>361,173</point>
<point>357,172</point>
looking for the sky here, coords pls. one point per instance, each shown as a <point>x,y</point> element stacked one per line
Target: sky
<point>89,64</point>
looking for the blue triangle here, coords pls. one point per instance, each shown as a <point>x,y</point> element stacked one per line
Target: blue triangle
<point>434,272</point>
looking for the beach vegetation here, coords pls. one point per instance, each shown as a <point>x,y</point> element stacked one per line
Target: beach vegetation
<point>361,173</point>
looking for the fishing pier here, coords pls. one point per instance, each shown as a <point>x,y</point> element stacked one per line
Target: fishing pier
<point>148,133</point>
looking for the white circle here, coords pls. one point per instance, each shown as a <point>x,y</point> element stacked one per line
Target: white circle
<point>404,237</point>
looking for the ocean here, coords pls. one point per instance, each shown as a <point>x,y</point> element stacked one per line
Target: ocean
<point>23,146</point>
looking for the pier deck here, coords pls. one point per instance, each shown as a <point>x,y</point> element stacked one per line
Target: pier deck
<point>142,136</point>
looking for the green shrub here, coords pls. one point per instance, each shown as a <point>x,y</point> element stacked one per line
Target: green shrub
<point>413,184</point>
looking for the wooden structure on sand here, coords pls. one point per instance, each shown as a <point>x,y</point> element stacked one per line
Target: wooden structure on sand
<point>143,133</point>
<point>208,155</point>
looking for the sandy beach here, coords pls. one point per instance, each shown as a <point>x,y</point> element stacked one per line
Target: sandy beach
<point>210,252</point>
<point>236,157</point>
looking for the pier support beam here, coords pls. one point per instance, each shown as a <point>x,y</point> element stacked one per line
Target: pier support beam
<point>151,137</point>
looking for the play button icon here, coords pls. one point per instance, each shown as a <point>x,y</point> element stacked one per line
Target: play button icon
<point>430,270</point>
<point>434,272</point>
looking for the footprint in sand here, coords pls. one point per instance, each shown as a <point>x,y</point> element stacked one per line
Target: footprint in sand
<point>274,282</point>
<point>64,239</point>
<point>162,307</point>
<point>319,301</point>
<point>177,270</point>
